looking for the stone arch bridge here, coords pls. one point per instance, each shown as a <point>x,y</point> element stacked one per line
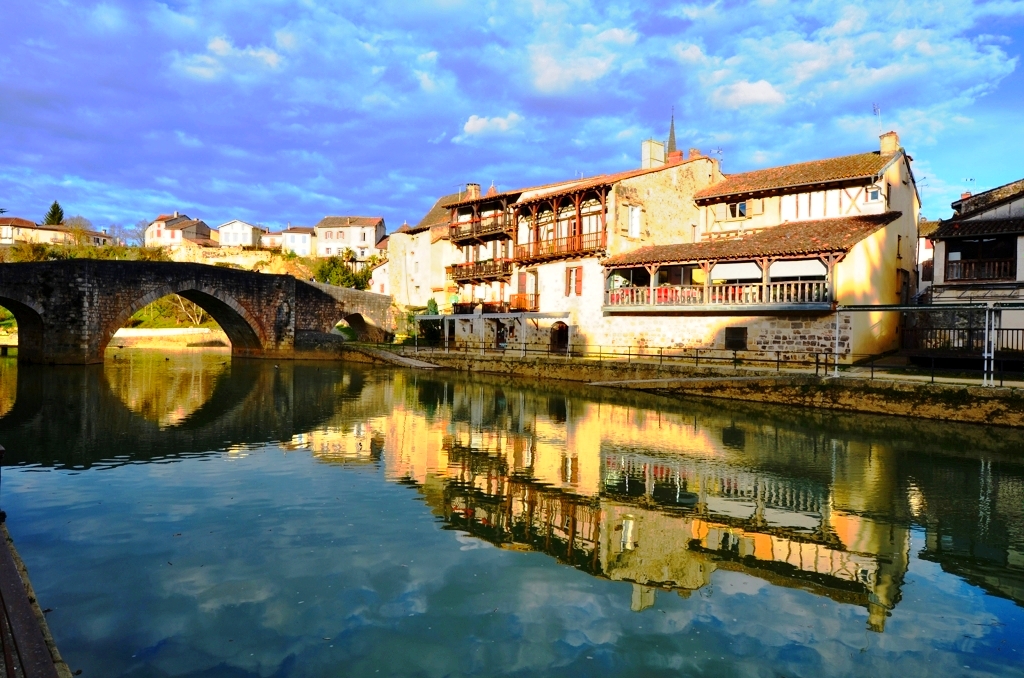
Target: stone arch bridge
<point>67,311</point>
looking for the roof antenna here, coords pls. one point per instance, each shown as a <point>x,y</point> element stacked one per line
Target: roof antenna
<point>877,110</point>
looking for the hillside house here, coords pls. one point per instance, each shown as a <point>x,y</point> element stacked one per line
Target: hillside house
<point>334,235</point>
<point>14,230</point>
<point>237,233</point>
<point>299,239</point>
<point>177,230</point>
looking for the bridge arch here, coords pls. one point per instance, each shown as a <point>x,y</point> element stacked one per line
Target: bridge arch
<point>244,332</point>
<point>30,327</point>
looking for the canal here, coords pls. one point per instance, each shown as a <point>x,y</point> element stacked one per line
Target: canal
<point>198,516</point>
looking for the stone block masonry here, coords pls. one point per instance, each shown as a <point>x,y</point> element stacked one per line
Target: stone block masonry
<point>68,311</point>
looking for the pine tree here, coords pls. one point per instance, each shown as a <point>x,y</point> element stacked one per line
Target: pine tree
<point>55,216</point>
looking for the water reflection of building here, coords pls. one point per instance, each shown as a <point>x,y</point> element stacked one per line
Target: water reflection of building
<point>651,499</point>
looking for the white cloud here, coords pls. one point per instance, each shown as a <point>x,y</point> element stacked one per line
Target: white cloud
<point>744,93</point>
<point>107,17</point>
<point>480,125</point>
<point>223,58</point>
<point>688,54</point>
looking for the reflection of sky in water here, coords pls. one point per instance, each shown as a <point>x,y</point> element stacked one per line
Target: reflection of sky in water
<point>325,554</point>
<point>285,566</point>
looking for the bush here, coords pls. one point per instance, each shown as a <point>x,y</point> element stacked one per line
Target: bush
<point>337,271</point>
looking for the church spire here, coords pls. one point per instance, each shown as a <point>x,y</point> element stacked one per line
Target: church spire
<point>672,132</point>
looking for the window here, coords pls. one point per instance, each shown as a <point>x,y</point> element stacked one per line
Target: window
<point>328,235</point>
<point>874,194</point>
<point>159,233</point>
<point>634,221</point>
<point>899,244</point>
<point>736,338</point>
<point>738,210</point>
<point>341,235</point>
<point>364,236</point>
<point>573,280</point>
<point>328,251</point>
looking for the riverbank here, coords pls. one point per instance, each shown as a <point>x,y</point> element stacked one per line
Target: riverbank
<point>170,339</point>
<point>905,397</point>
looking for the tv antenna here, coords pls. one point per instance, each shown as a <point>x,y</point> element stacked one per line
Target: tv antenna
<point>877,110</point>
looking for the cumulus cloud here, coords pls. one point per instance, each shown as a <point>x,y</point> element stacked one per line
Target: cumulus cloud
<point>481,125</point>
<point>742,94</point>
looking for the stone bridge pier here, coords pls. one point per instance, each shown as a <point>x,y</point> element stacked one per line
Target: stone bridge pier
<point>67,311</point>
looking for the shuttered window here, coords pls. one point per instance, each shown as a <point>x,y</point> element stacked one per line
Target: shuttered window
<point>573,280</point>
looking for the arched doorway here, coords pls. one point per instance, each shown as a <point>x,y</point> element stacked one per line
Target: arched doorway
<point>559,337</point>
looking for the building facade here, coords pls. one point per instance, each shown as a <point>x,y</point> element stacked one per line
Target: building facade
<point>335,235</point>
<point>237,233</point>
<point>178,230</point>
<point>299,239</point>
<point>15,230</point>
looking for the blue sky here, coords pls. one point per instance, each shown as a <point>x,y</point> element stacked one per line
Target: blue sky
<point>281,111</point>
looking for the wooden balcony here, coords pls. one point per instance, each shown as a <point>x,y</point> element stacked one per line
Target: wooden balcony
<point>481,228</point>
<point>525,302</point>
<point>811,294</point>
<point>981,270</point>
<point>480,271</point>
<point>557,248</point>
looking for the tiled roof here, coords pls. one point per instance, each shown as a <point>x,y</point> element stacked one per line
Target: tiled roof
<point>829,170</point>
<point>793,238</point>
<point>341,222</point>
<point>438,232</point>
<point>959,229</point>
<point>925,229</point>
<point>438,214</point>
<point>308,230</point>
<point>181,225</point>
<point>17,221</point>
<point>990,198</point>
<point>382,244</point>
<point>535,195</point>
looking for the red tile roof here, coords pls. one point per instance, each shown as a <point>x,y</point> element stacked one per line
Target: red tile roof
<point>341,222</point>
<point>793,238</point>
<point>17,221</point>
<point>815,172</point>
<point>308,230</point>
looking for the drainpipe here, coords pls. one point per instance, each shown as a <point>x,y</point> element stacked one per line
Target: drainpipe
<point>836,371</point>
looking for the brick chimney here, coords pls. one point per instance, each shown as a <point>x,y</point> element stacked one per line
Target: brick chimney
<point>695,153</point>
<point>674,157</point>
<point>965,195</point>
<point>472,191</point>
<point>890,142</point>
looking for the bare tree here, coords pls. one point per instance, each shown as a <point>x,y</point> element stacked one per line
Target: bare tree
<point>79,227</point>
<point>195,314</point>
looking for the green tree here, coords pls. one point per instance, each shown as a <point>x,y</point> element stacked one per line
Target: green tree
<point>336,271</point>
<point>55,216</point>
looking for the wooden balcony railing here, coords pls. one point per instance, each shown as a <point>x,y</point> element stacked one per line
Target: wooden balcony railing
<point>803,292</point>
<point>464,307</point>
<point>479,227</point>
<point>981,269</point>
<point>480,270</point>
<point>525,302</point>
<point>561,247</point>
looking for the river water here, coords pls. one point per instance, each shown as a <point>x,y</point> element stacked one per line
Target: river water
<point>198,516</point>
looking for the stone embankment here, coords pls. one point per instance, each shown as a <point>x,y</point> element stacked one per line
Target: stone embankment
<point>888,395</point>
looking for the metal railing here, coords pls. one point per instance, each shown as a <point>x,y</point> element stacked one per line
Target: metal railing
<point>477,270</point>
<point>802,292</point>
<point>559,247</point>
<point>961,340</point>
<point>481,226</point>
<point>981,269</point>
